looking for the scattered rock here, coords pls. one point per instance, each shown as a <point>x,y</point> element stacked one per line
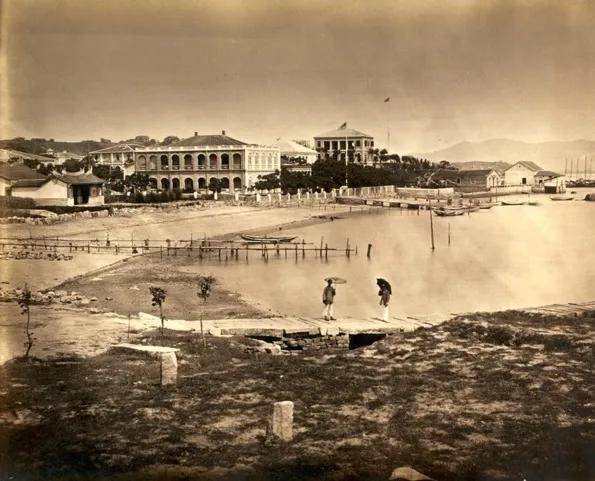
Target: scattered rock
<point>406,473</point>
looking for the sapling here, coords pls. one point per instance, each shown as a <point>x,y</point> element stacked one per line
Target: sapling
<point>205,286</point>
<point>158,298</point>
<point>24,301</point>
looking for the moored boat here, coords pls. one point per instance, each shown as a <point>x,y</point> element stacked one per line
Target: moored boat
<point>267,239</point>
<point>442,212</point>
<point>512,202</point>
<point>562,197</point>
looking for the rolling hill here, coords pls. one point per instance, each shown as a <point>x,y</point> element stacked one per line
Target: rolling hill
<point>549,155</point>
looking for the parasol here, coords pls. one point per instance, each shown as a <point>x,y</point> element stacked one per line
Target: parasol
<point>336,280</point>
<point>384,283</point>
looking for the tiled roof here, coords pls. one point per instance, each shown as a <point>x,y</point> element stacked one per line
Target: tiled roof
<point>289,146</point>
<point>79,179</point>
<point>547,173</point>
<point>342,133</point>
<point>18,172</point>
<point>205,140</point>
<point>16,154</point>
<point>529,165</point>
<point>448,174</point>
<point>122,147</point>
<point>30,182</point>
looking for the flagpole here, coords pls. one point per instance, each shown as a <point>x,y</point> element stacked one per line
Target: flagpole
<point>346,156</point>
<point>388,127</point>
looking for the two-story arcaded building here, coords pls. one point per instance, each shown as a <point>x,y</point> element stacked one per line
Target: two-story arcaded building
<point>189,164</point>
<point>344,141</point>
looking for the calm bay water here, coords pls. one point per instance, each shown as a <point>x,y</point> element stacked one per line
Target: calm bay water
<point>505,257</point>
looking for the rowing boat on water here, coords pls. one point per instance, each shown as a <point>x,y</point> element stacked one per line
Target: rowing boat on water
<point>562,197</point>
<point>512,202</point>
<point>449,212</point>
<point>267,239</point>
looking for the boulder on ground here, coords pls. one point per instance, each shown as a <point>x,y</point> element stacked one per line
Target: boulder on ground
<point>405,473</point>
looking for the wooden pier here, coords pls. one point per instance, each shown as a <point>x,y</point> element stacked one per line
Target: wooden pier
<point>201,247</point>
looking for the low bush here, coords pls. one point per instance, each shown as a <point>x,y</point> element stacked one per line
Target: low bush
<point>7,202</point>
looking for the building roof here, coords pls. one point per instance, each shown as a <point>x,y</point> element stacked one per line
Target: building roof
<point>30,182</point>
<point>547,173</point>
<point>18,172</point>
<point>450,174</point>
<point>121,147</point>
<point>78,179</point>
<point>206,140</point>
<point>528,165</point>
<point>291,147</point>
<point>342,133</point>
<point>16,154</point>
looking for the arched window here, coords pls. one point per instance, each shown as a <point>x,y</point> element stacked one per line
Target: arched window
<point>152,182</point>
<point>188,162</point>
<point>202,183</point>
<point>142,163</point>
<point>152,162</point>
<point>225,183</point>
<point>237,161</point>
<point>164,162</point>
<point>213,161</point>
<point>175,162</point>
<point>237,183</point>
<point>188,184</point>
<point>225,161</point>
<point>201,159</point>
<point>175,183</point>
<point>165,184</point>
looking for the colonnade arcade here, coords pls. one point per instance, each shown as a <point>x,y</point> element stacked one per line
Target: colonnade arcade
<point>188,161</point>
<point>194,182</point>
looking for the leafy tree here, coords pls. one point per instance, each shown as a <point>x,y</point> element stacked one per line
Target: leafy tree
<point>72,165</point>
<point>170,139</point>
<point>158,296</point>
<point>269,181</point>
<point>328,174</point>
<point>214,184</point>
<point>137,181</point>
<point>205,286</point>
<point>24,300</point>
<point>107,172</point>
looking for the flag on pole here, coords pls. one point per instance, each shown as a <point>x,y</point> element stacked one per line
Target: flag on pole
<point>343,126</point>
<point>387,99</point>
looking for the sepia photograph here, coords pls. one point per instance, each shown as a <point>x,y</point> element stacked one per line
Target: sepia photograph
<point>297,240</point>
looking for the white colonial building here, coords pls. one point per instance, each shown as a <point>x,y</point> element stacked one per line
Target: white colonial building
<point>191,163</point>
<point>120,155</point>
<point>343,142</point>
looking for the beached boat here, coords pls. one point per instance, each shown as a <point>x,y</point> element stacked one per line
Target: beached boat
<point>512,202</point>
<point>562,197</point>
<point>267,239</point>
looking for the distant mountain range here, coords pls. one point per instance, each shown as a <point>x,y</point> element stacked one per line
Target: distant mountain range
<point>549,155</point>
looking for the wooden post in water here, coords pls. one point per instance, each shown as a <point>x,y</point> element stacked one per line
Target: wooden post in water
<point>347,249</point>
<point>303,248</point>
<point>326,251</point>
<point>449,233</point>
<point>432,228</point>
<point>369,250</point>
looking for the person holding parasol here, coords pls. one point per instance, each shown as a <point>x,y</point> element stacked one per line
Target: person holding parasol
<point>384,293</point>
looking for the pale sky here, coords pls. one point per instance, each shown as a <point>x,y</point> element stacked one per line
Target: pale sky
<point>454,70</point>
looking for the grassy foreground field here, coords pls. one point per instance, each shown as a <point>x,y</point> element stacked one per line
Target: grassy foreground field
<point>486,397</point>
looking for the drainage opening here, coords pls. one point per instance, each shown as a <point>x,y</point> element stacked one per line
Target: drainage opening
<point>363,339</point>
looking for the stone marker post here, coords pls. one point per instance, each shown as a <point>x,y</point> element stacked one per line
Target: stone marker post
<point>258,197</point>
<point>280,425</point>
<point>169,368</point>
<point>237,196</point>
